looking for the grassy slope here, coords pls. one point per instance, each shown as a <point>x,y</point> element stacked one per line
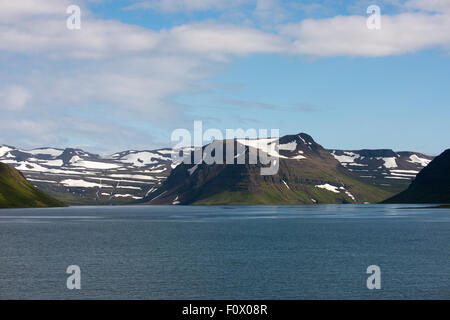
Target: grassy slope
<point>302,194</point>
<point>17,192</point>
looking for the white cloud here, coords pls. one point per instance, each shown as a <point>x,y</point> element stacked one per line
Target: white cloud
<point>348,35</point>
<point>14,98</point>
<point>209,38</point>
<point>12,11</point>
<point>340,35</point>
<point>96,39</point>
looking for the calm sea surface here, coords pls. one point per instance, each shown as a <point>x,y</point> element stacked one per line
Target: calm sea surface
<point>225,252</point>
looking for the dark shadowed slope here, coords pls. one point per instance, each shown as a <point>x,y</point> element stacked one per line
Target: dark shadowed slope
<point>17,192</point>
<point>432,184</point>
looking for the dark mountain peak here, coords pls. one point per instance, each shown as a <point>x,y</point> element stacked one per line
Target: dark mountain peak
<point>432,184</point>
<point>301,138</point>
<point>68,153</point>
<point>306,137</point>
<point>437,171</point>
<point>299,144</point>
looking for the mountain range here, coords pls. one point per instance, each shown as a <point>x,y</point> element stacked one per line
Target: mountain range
<point>78,177</point>
<point>308,173</point>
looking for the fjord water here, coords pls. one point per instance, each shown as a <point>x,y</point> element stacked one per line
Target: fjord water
<point>226,252</point>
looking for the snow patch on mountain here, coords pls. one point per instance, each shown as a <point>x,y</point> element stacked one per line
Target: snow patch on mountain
<point>46,151</point>
<point>291,146</point>
<point>346,158</point>
<point>350,195</point>
<point>152,189</point>
<point>129,187</point>
<point>400,178</point>
<point>328,187</point>
<point>132,176</point>
<point>38,180</point>
<point>298,157</point>
<point>389,162</point>
<point>422,161</point>
<point>335,189</point>
<point>82,184</point>
<point>29,166</point>
<point>405,171</point>
<point>354,164</point>
<point>267,145</point>
<point>175,201</point>
<point>51,163</point>
<point>403,174</point>
<point>117,195</point>
<point>79,162</point>
<point>4,150</point>
<point>140,159</point>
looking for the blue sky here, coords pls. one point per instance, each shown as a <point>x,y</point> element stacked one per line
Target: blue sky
<point>391,102</point>
<point>138,70</point>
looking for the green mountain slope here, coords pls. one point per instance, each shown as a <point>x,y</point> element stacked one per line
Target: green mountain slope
<point>432,184</point>
<point>17,192</point>
<point>307,174</point>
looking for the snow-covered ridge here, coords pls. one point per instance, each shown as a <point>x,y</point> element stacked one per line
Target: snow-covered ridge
<point>4,150</point>
<point>91,176</point>
<point>383,164</point>
<point>46,151</point>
